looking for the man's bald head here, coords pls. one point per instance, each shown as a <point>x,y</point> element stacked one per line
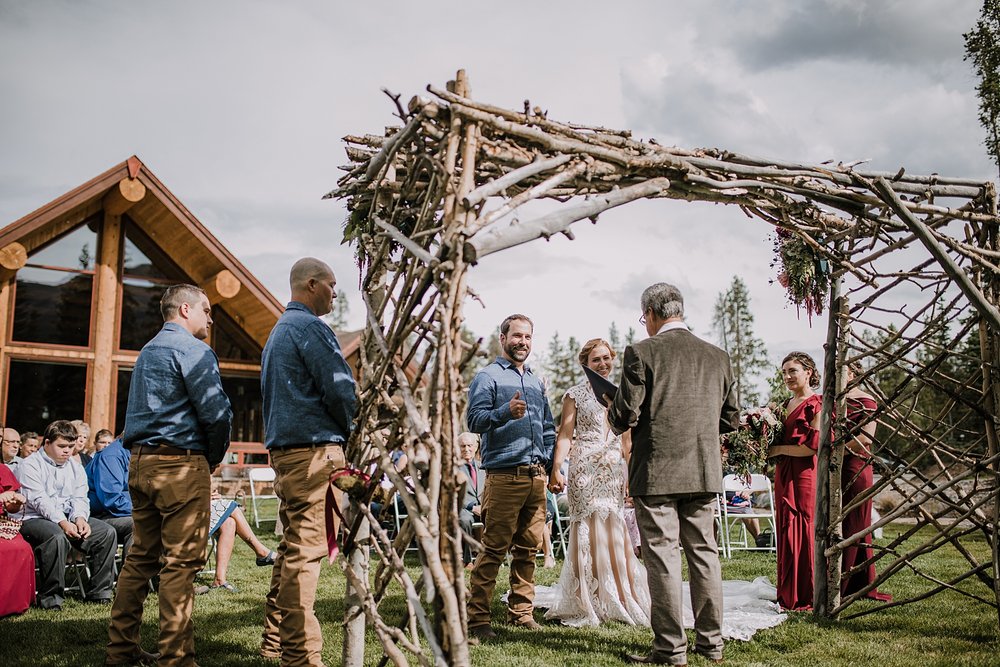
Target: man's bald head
<point>306,268</point>
<point>313,284</point>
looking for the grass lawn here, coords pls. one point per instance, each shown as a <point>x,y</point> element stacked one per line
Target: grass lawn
<point>948,629</point>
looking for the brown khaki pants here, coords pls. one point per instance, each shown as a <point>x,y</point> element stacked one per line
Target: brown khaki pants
<point>667,523</point>
<point>513,520</point>
<point>170,515</point>
<point>290,624</point>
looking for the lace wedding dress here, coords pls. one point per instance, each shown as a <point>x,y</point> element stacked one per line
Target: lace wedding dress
<point>602,580</point>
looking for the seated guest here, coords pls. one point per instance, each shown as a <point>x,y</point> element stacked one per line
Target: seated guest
<point>107,490</point>
<point>57,517</point>
<point>17,576</point>
<point>30,442</point>
<point>227,522</point>
<point>468,444</point>
<point>83,451</point>
<point>103,438</point>
<point>11,447</point>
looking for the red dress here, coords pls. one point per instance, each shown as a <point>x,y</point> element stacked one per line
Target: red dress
<point>794,507</point>
<point>17,576</point>
<point>856,478</point>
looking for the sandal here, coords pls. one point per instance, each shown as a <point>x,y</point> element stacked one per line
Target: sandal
<point>226,586</point>
<point>266,560</point>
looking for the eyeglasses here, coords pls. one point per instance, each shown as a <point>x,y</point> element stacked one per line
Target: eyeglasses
<point>642,319</point>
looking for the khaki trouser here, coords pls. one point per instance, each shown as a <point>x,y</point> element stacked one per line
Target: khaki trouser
<point>666,523</point>
<point>170,515</point>
<point>290,625</point>
<point>513,520</point>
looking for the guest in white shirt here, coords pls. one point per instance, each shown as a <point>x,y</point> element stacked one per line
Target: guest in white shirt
<point>57,517</point>
<point>10,447</point>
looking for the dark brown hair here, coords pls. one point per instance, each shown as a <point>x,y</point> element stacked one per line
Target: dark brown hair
<point>807,363</point>
<point>60,428</point>
<point>505,325</point>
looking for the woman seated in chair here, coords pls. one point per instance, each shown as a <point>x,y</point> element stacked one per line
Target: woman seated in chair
<point>227,522</point>
<point>17,578</point>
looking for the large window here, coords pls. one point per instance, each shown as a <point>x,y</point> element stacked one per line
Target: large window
<point>230,342</point>
<point>243,393</point>
<point>39,393</point>
<point>248,416</point>
<point>145,274</point>
<point>54,291</point>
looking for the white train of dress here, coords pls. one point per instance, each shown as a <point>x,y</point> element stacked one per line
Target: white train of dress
<point>602,579</point>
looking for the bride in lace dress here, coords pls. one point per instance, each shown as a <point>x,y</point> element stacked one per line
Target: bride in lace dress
<point>601,580</point>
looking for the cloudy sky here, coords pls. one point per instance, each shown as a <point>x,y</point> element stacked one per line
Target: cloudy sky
<point>239,108</point>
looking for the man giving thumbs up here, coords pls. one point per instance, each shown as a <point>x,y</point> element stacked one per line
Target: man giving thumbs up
<point>508,406</point>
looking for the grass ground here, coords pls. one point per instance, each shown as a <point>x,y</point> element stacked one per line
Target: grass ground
<point>946,630</point>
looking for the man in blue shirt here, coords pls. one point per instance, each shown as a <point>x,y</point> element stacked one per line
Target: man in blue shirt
<point>107,482</point>
<point>177,428</point>
<point>508,406</point>
<point>309,405</point>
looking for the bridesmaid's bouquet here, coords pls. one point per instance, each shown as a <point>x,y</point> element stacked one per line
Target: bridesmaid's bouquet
<point>745,449</point>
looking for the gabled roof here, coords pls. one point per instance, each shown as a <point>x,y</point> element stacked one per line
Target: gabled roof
<point>168,224</point>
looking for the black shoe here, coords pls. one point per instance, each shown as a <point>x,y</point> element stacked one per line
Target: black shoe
<point>266,560</point>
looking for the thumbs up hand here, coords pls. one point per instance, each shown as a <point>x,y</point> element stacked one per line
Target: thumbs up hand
<point>518,408</point>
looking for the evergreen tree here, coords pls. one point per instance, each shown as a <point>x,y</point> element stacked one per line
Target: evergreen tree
<point>629,337</point>
<point>982,47</point>
<point>615,338</point>
<point>337,318</point>
<point>777,392</point>
<point>733,324</point>
<point>562,369</point>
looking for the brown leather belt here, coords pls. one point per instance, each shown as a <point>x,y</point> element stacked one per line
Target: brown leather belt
<point>533,470</point>
<point>164,450</point>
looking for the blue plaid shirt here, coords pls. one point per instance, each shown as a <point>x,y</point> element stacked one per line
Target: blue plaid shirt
<point>509,442</point>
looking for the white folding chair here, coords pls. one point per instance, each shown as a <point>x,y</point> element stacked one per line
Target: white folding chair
<point>260,476</point>
<point>720,524</point>
<point>559,526</point>
<point>759,484</point>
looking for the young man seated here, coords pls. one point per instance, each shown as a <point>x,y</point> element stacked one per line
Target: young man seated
<point>57,518</point>
<point>107,481</point>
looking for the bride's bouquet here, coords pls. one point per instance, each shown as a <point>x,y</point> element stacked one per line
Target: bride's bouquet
<point>745,449</point>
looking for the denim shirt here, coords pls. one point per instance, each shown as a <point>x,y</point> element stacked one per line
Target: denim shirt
<point>306,383</point>
<point>509,442</point>
<point>107,482</point>
<point>176,397</point>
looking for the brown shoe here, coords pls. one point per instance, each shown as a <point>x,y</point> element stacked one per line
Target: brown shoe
<point>481,633</point>
<point>140,658</point>
<point>528,623</point>
<point>648,659</point>
<point>714,661</point>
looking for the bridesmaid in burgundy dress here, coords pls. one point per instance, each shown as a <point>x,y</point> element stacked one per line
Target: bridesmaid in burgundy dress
<point>17,575</point>
<point>855,479</point>
<point>795,482</point>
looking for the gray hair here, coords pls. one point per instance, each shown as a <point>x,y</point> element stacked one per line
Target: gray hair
<point>664,300</point>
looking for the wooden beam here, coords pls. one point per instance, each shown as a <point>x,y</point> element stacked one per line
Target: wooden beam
<point>223,285</point>
<point>105,338</point>
<point>12,257</point>
<point>961,278</point>
<point>123,196</point>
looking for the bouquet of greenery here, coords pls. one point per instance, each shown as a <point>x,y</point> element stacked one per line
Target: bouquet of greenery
<point>745,449</point>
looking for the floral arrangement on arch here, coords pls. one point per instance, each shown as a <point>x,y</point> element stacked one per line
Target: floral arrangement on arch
<point>803,272</point>
<point>745,449</point>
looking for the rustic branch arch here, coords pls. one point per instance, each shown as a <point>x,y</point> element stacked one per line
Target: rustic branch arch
<point>913,265</point>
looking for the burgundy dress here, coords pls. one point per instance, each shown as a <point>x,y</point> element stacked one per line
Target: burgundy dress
<point>17,575</point>
<point>856,478</point>
<point>794,506</point>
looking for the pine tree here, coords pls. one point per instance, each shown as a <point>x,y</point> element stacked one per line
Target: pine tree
<point>629,337</point>
<point>337,318</point>
<point>615,338</point>
<point>982,47</point>
<point>562,369</point>
<point>733,324</point>
<point>777,392</point>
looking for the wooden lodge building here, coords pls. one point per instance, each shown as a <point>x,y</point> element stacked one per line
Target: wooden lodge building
<point>80,284</point>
